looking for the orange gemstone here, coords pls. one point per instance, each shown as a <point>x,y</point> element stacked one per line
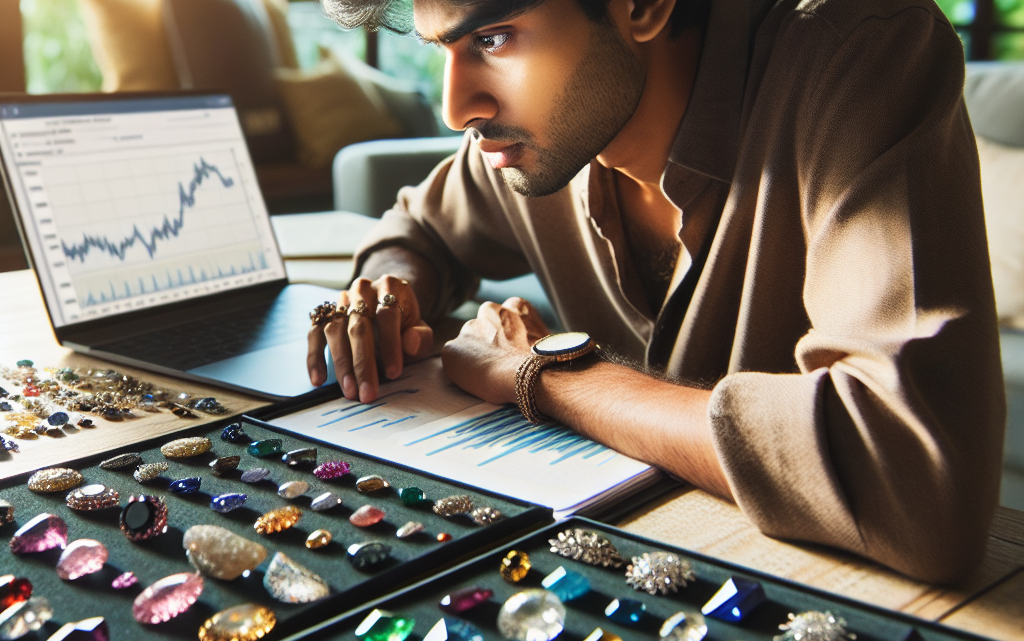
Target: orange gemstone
<point>444,537</point>
<point>278,520</point>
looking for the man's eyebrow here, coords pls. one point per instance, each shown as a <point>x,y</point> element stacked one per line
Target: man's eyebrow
<point>485,14</point>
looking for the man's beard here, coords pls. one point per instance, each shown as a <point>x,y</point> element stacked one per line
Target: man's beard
<point>598,100</point>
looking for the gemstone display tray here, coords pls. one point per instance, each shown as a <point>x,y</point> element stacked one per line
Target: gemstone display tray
<point>411,560</point>
<point>586,613</point>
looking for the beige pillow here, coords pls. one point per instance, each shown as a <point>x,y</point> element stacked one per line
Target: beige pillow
<point>330,109</point>
<point>129,44</point>
<point>277,11</point>
<point>1002,187</point>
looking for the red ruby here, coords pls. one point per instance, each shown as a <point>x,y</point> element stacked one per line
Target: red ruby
<point>13,590</point>
<point>31,390</point>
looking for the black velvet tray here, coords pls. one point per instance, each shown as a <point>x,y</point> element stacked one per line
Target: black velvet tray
<point>411,560</point>
<point>586,613</point>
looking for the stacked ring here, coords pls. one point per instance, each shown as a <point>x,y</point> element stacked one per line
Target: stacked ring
<point>388,300</point>
<point>322,314</point>
<point>360,308</point>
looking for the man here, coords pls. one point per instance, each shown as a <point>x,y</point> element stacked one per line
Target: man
<point>774,205</point>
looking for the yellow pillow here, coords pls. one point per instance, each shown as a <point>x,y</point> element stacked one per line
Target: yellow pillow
<point>277,11</point>
<point>329,109</point>
<point>129,44</point>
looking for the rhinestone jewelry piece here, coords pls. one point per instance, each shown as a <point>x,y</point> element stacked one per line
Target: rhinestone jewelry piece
<point>318,539</point>
<point>186,486</point>
<point>684,626</point>
<point>220,553</point>
<point>278,520</point>
<point>409,529</point>
<point>325,501</point>
<point>366,516</point>
<point>305,457</point>
<point>255,475</point>
<point>22,618</point>
<point>246,622</point>
<point>224,464</point>
<point>464,599</point>
<point>150,471</point>
<point>368,554</point>
<point>659,572</point>
<point>92,497</point>
<point>453,505</point>
<point>331,470</point>
<point>81,557</point>
<point>289,582</point>
<point>54,479</point>
<point>531,615</point>
<point>13,590</point>
<point>128,459</point>
<point>234,434</point>
<point>186,447</point>
<point>167,598</point>
<point>515,566</point>
<point>227,502</point>
<point>92,629</point>
<point>264,448</point>
<point>372,483</point>
<point>125,580</point>
<point>381,625</point>
<point>586,546</point>
<point>625,611</point>
<point>144,517</point>
<point>566,584</point>
<point>292,489</point>
<point>736,599</point>
<point>486,515</point>
<point>43,532</point>
<point>815,626</point>
<point>6,513</point>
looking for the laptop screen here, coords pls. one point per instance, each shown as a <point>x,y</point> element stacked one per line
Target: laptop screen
<point>131,203</point>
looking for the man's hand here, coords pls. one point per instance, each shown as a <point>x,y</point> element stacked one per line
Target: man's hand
<point>401,337</point>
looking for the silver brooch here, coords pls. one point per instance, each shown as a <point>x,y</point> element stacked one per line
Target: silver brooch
<point>586,546</point>
<point>659,572</point>
<point>451,506</point>
<point>815,626</point>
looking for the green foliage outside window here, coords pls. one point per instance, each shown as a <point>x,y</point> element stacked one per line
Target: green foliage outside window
<point>57,54</point>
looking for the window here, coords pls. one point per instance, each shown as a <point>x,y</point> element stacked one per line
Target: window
<point>990,29</point>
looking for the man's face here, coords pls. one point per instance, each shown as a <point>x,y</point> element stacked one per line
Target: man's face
<point>544,90</point>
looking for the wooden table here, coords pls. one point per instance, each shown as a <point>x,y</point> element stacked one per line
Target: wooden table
<point>991,603</point>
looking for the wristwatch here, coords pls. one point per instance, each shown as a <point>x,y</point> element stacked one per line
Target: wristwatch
<point>554,348</point>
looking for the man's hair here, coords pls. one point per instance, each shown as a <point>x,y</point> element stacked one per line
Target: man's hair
<point>396,15</point>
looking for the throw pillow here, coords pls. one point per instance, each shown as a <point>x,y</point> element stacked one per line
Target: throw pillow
<point>129,45</point>
<point>277,11</point>
<point>329,109</point>
<point>1002,188</point>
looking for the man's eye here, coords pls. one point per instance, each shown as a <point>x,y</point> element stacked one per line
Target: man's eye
<point>491,43</point>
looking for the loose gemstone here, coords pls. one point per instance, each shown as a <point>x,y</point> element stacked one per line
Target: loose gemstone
<point>128,459</point>
<point>255,475</point>
<point>325,501</point>
<point>531,615</point>
<point>318,539</point>
<point>625,611</point>
<point>3,393</point>
<point>514,566</point>
<point>368,554</point>
<point>246,622</point>
<point>464,599</point>
<point>289,582</point>
<point>453,505</point>
<point>30,390</point>
<point>25,363</point>
<point>305,457</point>
<point>366,516</point>
<point>234,434</point>
<point>659,572</point>
<point>167,598</point>
<point>331,470</point>
<point>58,418</point>
<point>85,422</point>
<point>81,557</point>
<point>224,464</point>
<point>43,532</point>
<point>144,517</point>
<point>734,600</point>
<point>227,502</point>
<point>220,553</point>
<point>292,489</point>
<point>411,496</point>
<point>150,471</point>
<point>9,444</point>
<point>210,405</point>
<point>6,513</point>
<point>602,635</point>
<point>381,625</point>
<point>684,626</point>
<point>454,630</point>
<point>486,515</point>
<point>566,584</point>
<point>186,486</point>
<point>409,529</point>
<point>186,447</point>
<point>95,496</point>
<point>372,483</point>
<point>5,407</point>
<point>13,590</point>
<point>92,629</point>
<point>266,447</point>
<point>126,580</point>
<point>278,520</point>
<point>54,479</point>
<point>22,618</point>
<point>443,537</point>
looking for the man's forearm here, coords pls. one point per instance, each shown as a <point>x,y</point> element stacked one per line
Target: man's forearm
<point>402,263</point>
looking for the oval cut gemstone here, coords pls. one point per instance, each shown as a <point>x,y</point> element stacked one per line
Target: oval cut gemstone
<point>625,611</point>
<point>24,617</point>
<point>515,566</point>
<point>443,537</point>
<point>234,434</point>
<point>55,479</point>
<point>227,502</point>
<point>318,539</point>
<point>126,580</point>
<point>531,615</point>
<point>381,625</point>
<point>246,622</point>
<point>81,557</point>
<point>331,470</point>
<point>325,501</point>
<point>266,447</point>
<point>186,486</point>
<point>289,582</point>
<point>224,464</point>
<point>300,458</point>
<point>144,517</point>
<point>684,626</point>
<point>149,471</point>
<point>24,363</point>
<point>220,553</point>
<point>366,516</point>
<point>186,447</point>
<point>372,483</point>
<point>409,529</point>
<point>411,496</point>
<point>255,475</point>
<point>57,419</point>
<point>167,598</point>
<point>368,554</point>
<point>465,599</point>
<point>13,590</point>
<point>278,520</point>
<point>292,489</point>
<point>92,629</point>
<point>43,532</point>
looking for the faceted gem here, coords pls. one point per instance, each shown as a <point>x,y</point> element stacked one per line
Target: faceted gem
<point>278,520</point>
<point>625,611</point>
<point>58,418</point>
<point>515,566</point>
<point>144,517</point>
<point>128,459</point>
<point>81,557</point>
<point>8,444</point>
<point>443,537</point>
<point>381,625</point>
<point>814,626</point>
<point>659,572</point>
<point>531,615</point>
<point>92,629</point>
<point>266,447</point>
<point>246,622</point>
<point>331,470</point>
<point>586,546</point>
<point>455,630</point>
<point>227,502</point>
<point>186,486</point>
<point>318,539</point>
<point>30,390</point>
<point>3,393</point>
<point>220,553</point>
<point>411,496</point>
<point>24,363</point>
<point>289,582</point>
<point>6,513</point>
<point>224,464</point>
<point>453,505</point>
<point>150,471</point>
<point>210,405</point>
<point>601,635</point>
<point>255,475</point>
<point>368,554</point>
<point>325,501</point>
<point>13,590</point>
<point>366,516</point>
<point>85,422</point>
<point>5,407</point>
<point>24,617</point>
<point>167,598</point>
<point>372,483</point>
<point>54,479</point>
<point>186,447</point>
<point>125,580</point>
<point>43,532</point>
<point>292,489</point>
<point>464,599</point>
<point>566,584</point>
<point>234,434</point>
<point>486,515</point>
<point>409,529</point>
<point>683,626</point>
<point>92,497</point>
<point>300,458</point>
<point>734,600</point>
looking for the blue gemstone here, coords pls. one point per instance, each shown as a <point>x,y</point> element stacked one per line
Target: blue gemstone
<point>3,393</point>
<point>459,630</point>
<point>5,407</point>
<point>227,502</point>
<point>234,434</point>
<point>186,486</point>
<point>625,611</point>
<point>734,600</point>
<point>58,418</point>
<point>566,584</point>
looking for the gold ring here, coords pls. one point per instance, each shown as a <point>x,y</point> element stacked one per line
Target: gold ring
<point>388,300</point>
<point>360,308</point>
<point>322,314</point>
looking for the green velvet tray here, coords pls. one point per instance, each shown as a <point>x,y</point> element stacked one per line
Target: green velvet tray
<point>411,560</point>
<point>586,613</point>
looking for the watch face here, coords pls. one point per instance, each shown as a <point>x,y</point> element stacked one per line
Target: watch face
<point>561,343</point>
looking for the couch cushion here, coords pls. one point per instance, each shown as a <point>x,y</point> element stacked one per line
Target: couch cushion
<point>1002,186</point>
<point>129,44</point>
<point>277,12</point>
<point>994,92</point>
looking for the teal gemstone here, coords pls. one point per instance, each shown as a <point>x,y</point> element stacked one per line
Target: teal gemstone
<point>25,363</point>
<point>625,611</point>
<point>566,584</point>
<point>451,629</point>
<point>266,447</point>
<point>411,496</point>
<point>380,625</point>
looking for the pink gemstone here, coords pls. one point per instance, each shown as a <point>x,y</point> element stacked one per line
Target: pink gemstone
<point>366,516</point>
<point>331,470</point>
<point>167,598</point>
<point>81,557</point>
<point>459,601</point>
<point>43,532</point>
<point>126,580</point>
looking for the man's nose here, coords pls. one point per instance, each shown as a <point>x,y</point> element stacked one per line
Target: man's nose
<point>467,98</point>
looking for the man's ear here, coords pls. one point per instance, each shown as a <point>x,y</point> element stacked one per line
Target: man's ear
<point>648,17</point>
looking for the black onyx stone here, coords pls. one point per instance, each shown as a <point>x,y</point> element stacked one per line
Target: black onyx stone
<point>234,434</point>
<point>144,517</point>
<point>138,516</point>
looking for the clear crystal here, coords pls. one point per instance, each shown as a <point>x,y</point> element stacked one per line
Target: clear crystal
<point>22,618</point>
<point>220,553</point>
<point>531,615</point>
<point>684,626</point>
<point>290,582</point>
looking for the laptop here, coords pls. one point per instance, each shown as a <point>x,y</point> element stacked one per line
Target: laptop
<point>144,223</point>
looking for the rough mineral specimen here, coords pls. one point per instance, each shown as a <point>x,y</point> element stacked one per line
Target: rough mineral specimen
<point>186,447</point>
<point>220,553</point>
<point>289,582</point>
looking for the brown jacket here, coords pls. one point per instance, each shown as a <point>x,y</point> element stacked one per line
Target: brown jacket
<point>844,312</point>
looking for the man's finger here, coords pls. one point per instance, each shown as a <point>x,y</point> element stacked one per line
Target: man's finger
<point>360,335</point>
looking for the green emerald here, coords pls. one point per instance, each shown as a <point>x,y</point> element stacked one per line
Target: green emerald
<point>380,625</point>
<point>25,363</point>
<point>266,447</point>
<point>411,496</point>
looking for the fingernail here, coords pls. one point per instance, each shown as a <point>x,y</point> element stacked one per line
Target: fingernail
<point>394,371</point>
<point>348,386</point>
<point>365,392</point>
